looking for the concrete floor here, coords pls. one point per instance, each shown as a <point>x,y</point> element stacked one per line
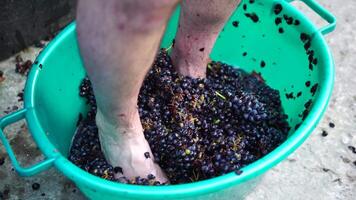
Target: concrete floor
<point>322,168</point>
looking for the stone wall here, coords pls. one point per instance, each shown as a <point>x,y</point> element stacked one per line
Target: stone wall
<point>25,22</point>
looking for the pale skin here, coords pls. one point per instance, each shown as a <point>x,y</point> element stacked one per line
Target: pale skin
<point>118,41</point>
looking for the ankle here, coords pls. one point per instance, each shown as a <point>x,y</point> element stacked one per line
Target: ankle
<point>186,67</point>
<point>191,59</point>
<point>123,121</point>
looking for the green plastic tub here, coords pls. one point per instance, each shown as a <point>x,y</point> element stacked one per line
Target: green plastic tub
<point>52,103</point>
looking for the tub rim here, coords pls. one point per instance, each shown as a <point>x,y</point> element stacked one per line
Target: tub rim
<point>83,178</point>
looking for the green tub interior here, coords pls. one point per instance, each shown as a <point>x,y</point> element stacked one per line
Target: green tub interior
<point>287,70</point>
<point>56,78</point>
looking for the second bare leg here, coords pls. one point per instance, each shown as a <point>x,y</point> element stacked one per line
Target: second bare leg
<point>200,23</point>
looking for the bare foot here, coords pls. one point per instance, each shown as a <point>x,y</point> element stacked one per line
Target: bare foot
<point>127,148</point>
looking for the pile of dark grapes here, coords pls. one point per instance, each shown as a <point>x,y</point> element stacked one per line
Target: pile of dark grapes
<point>22,67</point>
<point>86,152</point>
<point>197,128</point>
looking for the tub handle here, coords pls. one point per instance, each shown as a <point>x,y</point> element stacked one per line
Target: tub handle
<point>323,13</point>
<point>22,171</point>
